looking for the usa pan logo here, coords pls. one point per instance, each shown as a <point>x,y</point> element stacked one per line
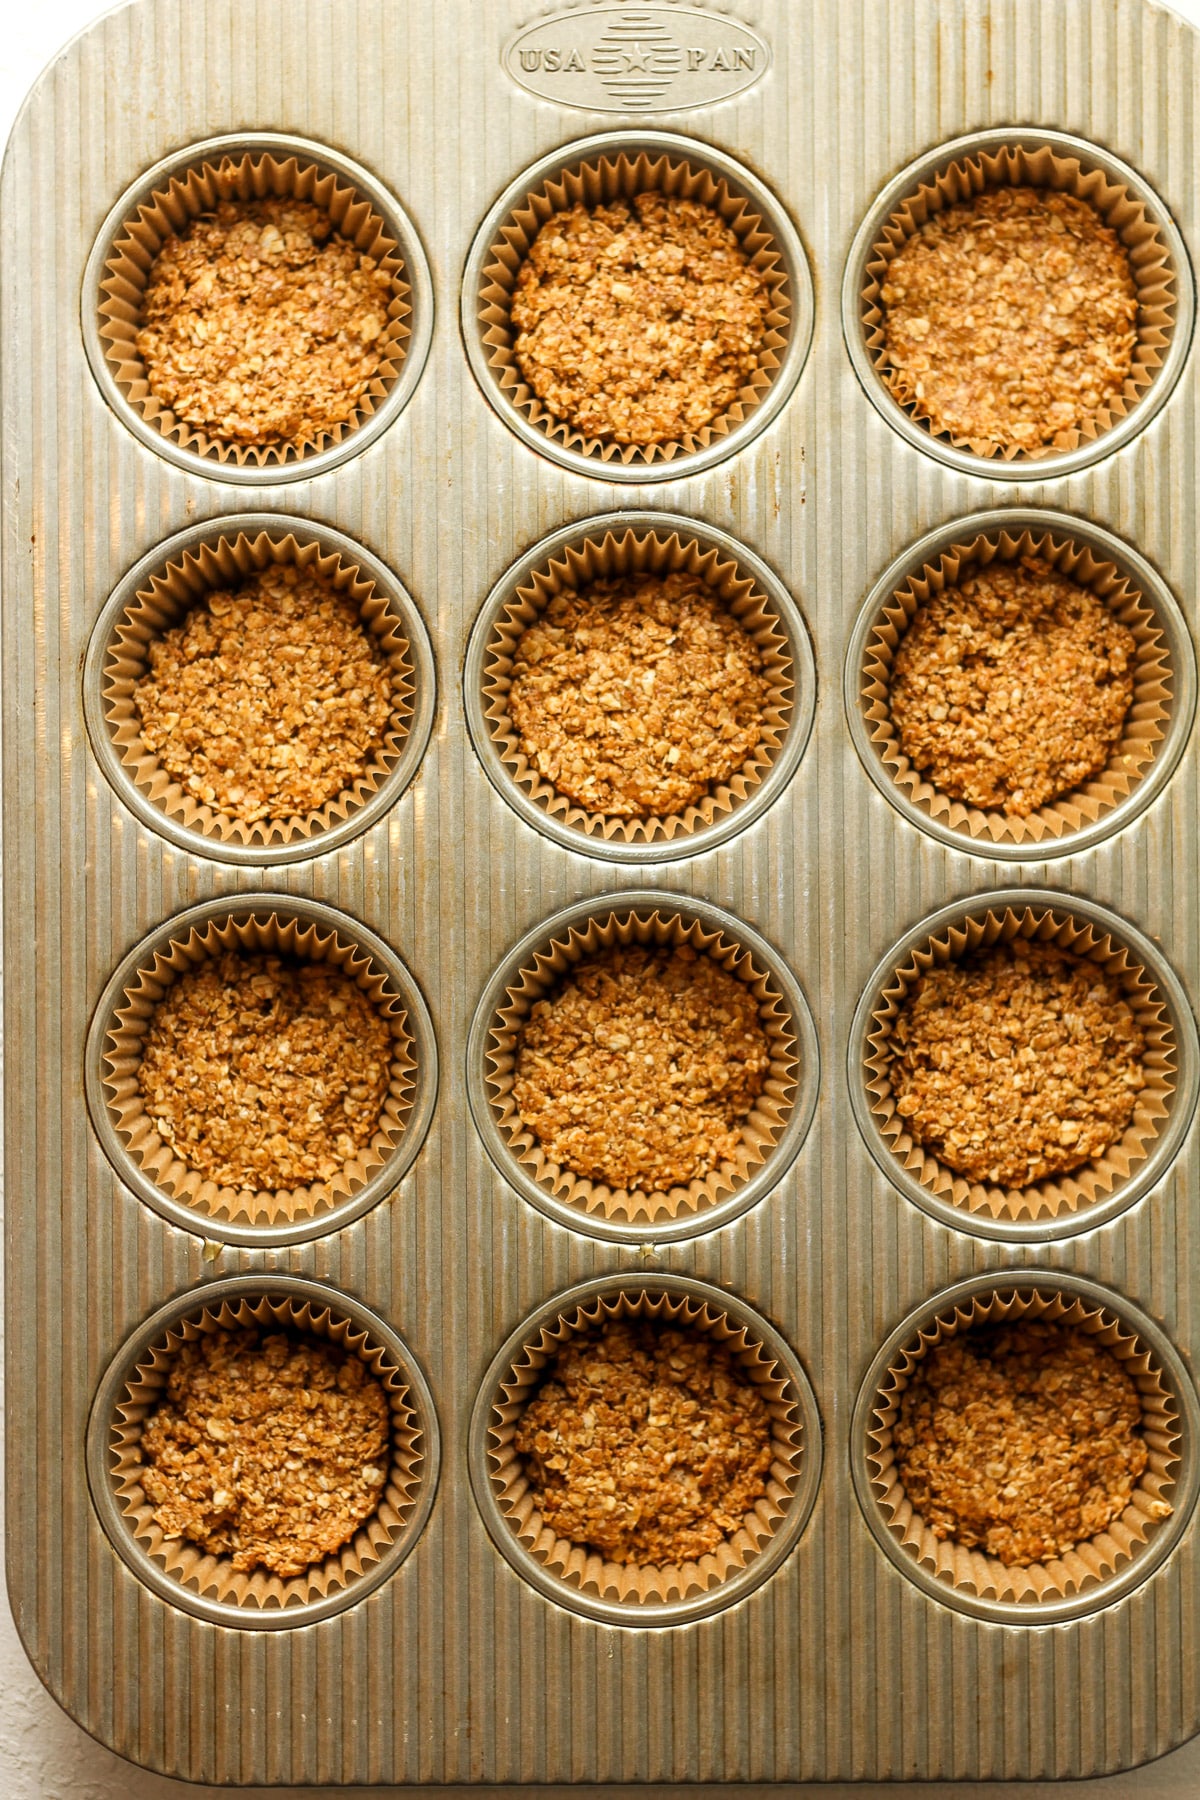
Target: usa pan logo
<point>637,59</point>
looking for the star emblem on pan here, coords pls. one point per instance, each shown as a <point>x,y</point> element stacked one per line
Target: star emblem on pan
<point>636,59</point>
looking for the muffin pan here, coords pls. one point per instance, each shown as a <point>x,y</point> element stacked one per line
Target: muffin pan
<point>454,1643</point>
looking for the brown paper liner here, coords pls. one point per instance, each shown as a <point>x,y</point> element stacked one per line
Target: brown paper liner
<point>1121,210</point>
<point>1054,1194</point>
<point>586,1569</point>
<point>597,183</point>
<point>1145,721</point>
<point>1091,1561</point>
<point>170,209</point>
<point>760,1131</point>
<point>612,557</point>
<point>126,1035</point>
<point>163,604</point>
<point>215,1576</point>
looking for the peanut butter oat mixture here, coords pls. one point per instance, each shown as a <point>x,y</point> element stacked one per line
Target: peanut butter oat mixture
<point>1017,1062</point>
<point>645,1443</point>
<point>263,1073</point>
<point>270,1451</point>
<point>639,1069</point>
<point>268,700</point>
<point>637,697</point>
<point>1021,1440</point>
<point>1012,688</point>
<point>261,325</point>
<point>638,322</point>
<point>1011,318</point>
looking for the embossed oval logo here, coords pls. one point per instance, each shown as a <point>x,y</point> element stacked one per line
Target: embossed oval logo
<point>637,58</point>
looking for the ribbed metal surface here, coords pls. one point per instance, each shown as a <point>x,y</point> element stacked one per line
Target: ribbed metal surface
<point>456,1671</point>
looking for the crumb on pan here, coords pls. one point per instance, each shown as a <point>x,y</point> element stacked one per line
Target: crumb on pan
<point>645,1443</point>
<point>1010,319</point>
<point>1021,1440</point>
<point>641,1066</point>
<point>268,700</point>
<point>1012,687</point>
<point>262,1073</point>
<point>638,322</point>
<point>1016,1063</point>
<point>637,697</point>
<point>268,1449</point>
<point>260,324</point>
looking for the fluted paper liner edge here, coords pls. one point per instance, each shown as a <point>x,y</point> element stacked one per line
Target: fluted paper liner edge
<point>658,928</point>
<point>1118,206</point>
<point>1145,721</point>
<point>163,603</point>
<point>1056,1194</point>
<point>210,1575</point>
<point>599,181</point>
<point>584,1569</point>
<point>1092,1560</point>
<point>613,557</point>
<point>124,1038</point>
<point>171,209</point>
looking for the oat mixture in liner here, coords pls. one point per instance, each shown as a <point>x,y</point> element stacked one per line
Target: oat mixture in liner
<point>645,1443</point>
<point>1010,318</point>
<point>264,1073</point>
<point>639,1069</point>
<point>638,322</point>
<point>268,700</point>
<point>269,1450</point>
<point>636,697</point>
<point>260,324</point>
<point>1012,687</point>
<point>1016,1063</point>
<point>1022,1440</point>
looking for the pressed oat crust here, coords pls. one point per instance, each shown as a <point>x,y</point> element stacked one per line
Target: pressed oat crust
<point>260,324</point>
<point>1010,318</point>
<point>265,1074</point>
<point>636,697</point>
<point>1016,1063</point>
<point>270,1451</point>
<point>639,1069</point>
<point>1012,687</point>
<point>645,1443</point>
<point>1022,1440</point>
<point>269,700</point>
<point>638,322</point>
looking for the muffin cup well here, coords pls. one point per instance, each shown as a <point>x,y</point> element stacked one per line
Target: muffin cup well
<point>208,1585</point>
<point>1103,1568</point>
<point>291,927</point>
<point>596,171</point>
<point>642,1595</point>
<point>1157,724</point>
<point>961,170</point>
<point>1058,1205</point>
<point>771,1134</point>
<point>180,189</point>
<point>613,546</point>
<point>156,596</point>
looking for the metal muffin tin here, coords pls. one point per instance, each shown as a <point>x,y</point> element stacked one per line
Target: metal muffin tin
<point>457,1667</point>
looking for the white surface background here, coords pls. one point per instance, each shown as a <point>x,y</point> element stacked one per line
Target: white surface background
<point>43,1754</point>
